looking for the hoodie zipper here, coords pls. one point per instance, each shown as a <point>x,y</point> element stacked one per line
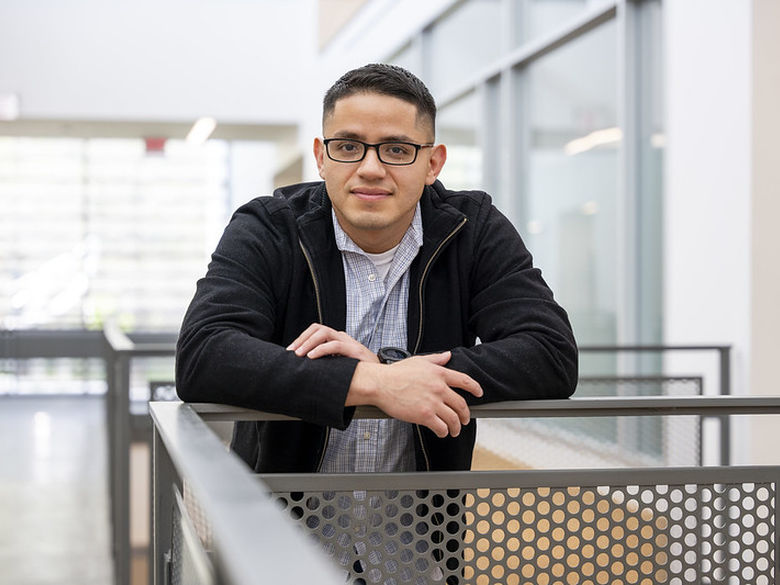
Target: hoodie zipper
<point>419,330</point>
<point>443,243</point>
<point>319,316</point>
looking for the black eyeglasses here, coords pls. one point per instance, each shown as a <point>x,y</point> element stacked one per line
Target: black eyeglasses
<point>347,150</point>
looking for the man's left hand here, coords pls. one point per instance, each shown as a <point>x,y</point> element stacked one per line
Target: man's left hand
<point>319,340</point>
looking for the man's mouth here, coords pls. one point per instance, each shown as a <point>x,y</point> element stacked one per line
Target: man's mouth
<point>367,194</point>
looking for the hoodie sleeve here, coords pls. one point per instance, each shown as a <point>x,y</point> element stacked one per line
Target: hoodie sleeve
<point>231,348</point>
<point>527,347</point>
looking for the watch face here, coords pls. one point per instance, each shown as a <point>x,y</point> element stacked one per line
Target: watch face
<point>394,354</point>
<point>388,355</point>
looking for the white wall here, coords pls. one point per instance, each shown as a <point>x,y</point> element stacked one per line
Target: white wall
<point>707,217</point>
<point>721,201</point>
<point>765,294</point>
<point>238,60</point>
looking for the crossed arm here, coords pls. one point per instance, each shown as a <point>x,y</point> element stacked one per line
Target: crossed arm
<point>417,390</point>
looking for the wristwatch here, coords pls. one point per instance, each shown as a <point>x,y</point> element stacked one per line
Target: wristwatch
<point>390,355</point>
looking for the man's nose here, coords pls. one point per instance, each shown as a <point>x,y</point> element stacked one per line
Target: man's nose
<point>371,165</point>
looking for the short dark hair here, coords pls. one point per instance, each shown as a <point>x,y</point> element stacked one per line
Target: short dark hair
<point>385,79</point>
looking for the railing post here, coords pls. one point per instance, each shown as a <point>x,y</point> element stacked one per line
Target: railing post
<point>121,461</point>
<point>776,527</point>
<point>110,365</point>
<point>724,353</point>
<point>163,478</point>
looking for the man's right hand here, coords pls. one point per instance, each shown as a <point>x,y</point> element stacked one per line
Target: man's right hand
<point>418,389</point>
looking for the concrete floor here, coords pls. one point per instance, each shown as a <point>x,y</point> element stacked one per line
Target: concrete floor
<point>54,525</point>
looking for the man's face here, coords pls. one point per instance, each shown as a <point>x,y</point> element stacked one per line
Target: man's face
<point>374,202</point>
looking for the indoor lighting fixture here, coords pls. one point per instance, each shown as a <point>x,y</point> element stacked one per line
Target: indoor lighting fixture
<point>658,140</point>
<point>9,106</point>
<point>535,227</point>
<point>592,140</point>
<point>201,130</point>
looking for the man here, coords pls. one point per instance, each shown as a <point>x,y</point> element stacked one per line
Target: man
<point>371,288</point>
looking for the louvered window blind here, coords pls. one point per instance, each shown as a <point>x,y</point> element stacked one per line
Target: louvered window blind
<point>99,228</point>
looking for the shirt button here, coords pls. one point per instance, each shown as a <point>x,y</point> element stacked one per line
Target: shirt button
<point>366,435</point>
<point>371,277</point>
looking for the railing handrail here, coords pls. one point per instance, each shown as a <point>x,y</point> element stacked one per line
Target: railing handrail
<point>591,477</point>
<point>237,506</point>
<point>569,407</point>
<point>655,347</point>
<point>120,343</point>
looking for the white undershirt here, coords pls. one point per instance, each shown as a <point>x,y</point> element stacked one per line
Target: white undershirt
<point>383,260</point>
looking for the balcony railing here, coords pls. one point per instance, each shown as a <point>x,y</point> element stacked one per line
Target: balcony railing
<point>672,525</point>
<point>128,422</point>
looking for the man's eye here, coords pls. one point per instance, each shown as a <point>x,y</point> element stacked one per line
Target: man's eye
<point>398,149</point>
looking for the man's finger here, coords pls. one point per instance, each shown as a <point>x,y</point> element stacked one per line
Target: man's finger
<point>439,427</point>
<point>455,379</point>
<point>437,358</point>
<point>305,334</point>
<point>323,349</point>
<point>451,419</point>
<point>458,405</point>
<point>312,341</point>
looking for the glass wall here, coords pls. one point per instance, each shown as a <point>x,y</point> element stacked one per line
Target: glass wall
<point>463,42</point>
<point>651,139</point>
<point>554,106</point>
<point>571,178</point>
<point>537,18</point>
<point>98,228</point>
<point>457,127</point>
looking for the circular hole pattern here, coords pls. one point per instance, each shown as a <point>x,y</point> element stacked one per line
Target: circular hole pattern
<point>675,534</point>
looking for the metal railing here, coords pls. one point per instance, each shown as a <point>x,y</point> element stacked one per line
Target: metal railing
<point>119,351</point>
<point>648,525</point>
<point>722,354</point>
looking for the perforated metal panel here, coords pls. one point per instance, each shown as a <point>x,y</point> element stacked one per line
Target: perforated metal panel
<point>639,385</point>
<point>593,442</point>
<point>598,442</point>
<point>190,564</point>
<point>571,535</point>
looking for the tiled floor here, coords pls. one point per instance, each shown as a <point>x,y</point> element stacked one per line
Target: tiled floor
<point>53,491</point>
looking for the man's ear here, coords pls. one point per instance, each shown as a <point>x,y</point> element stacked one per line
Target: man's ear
<point>437,160</point>
<point>319,154</point>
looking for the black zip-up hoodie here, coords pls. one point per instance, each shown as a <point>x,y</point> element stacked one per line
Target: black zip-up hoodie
<point>277,270</point>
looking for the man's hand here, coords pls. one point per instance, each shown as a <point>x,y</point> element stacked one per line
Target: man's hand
<point>318,341</point>
<point>417,390</point>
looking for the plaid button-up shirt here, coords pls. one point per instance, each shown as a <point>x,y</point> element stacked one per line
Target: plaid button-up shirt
<point>376,317</point>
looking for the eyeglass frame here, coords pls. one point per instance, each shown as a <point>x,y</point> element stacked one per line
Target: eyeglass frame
<point>367,145</point>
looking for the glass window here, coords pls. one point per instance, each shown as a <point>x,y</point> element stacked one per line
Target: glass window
<point>462,43</point>
<point>652,141</point>
<point>536,18</point>
<point>457,127</point>
<point>97,228</point>
<point>571,179</point>
<point>409,57</point>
